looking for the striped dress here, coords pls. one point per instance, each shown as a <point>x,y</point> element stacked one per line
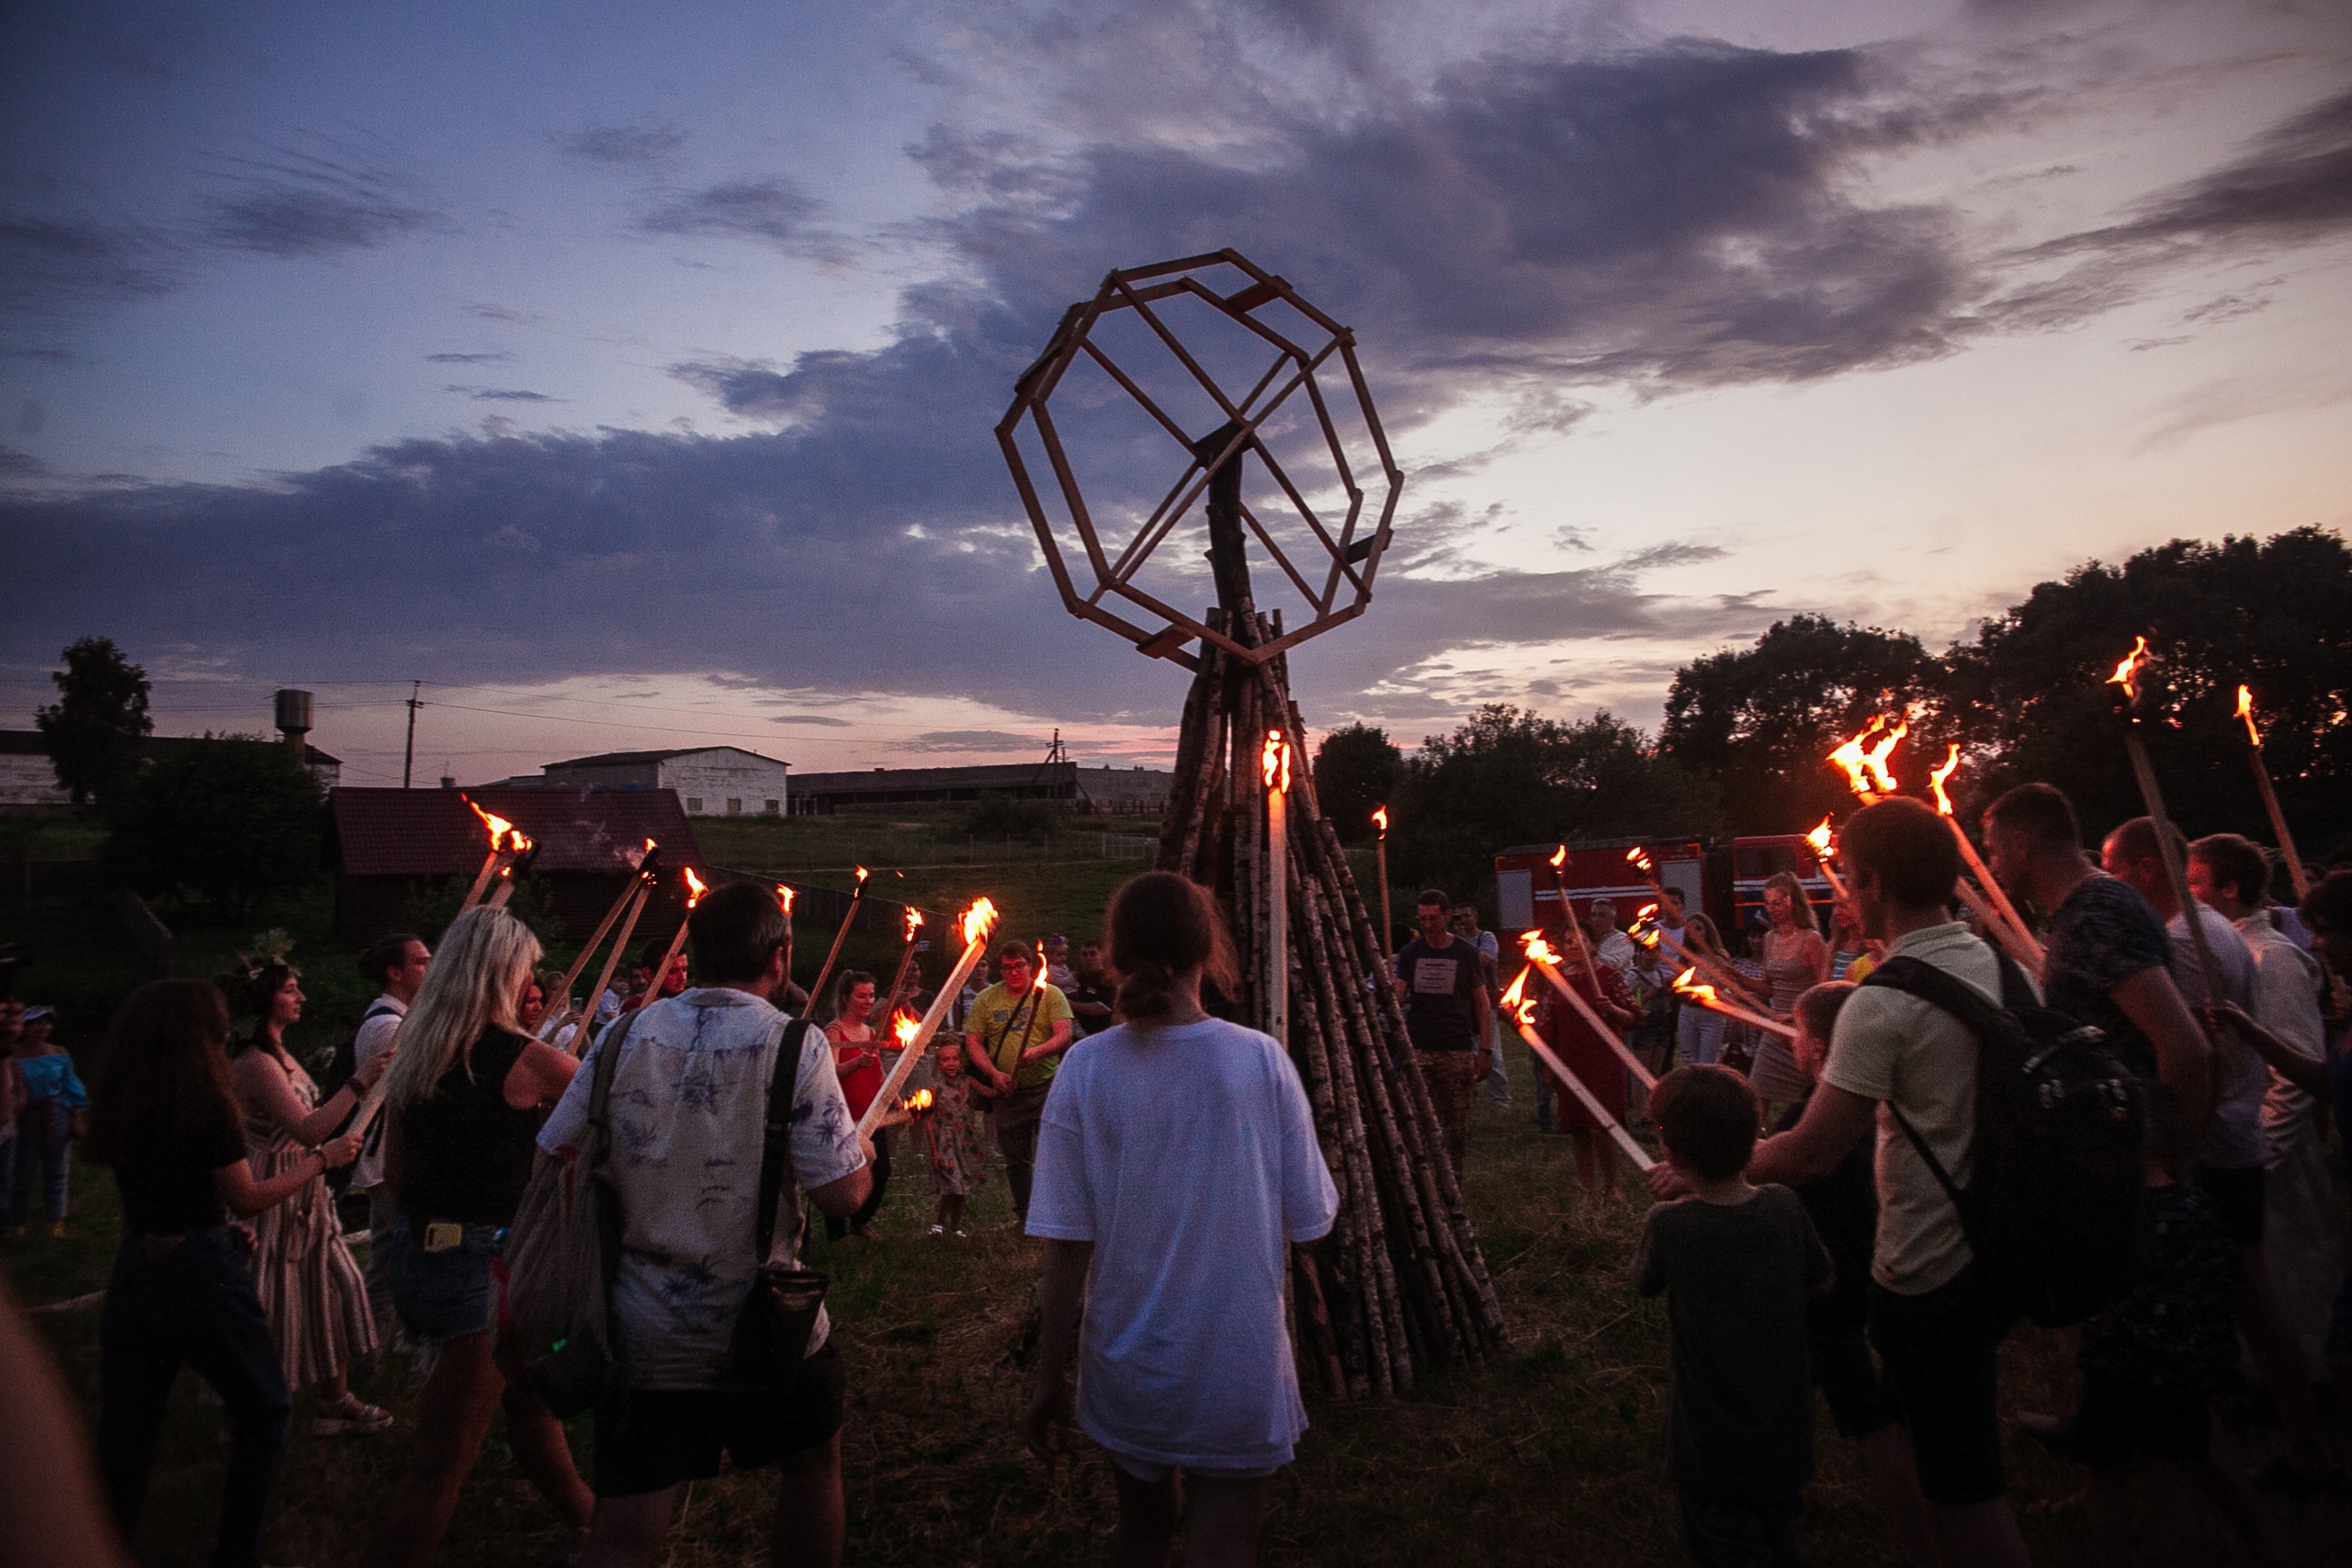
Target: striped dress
<point>310,1288</point>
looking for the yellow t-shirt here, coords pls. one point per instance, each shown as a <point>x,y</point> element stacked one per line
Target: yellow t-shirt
<point>1004,1037</point>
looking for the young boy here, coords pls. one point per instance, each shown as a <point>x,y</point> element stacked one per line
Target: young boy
<point>1737,1263</point>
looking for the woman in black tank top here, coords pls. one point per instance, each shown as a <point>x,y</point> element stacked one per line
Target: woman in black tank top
<point>467,1092</point>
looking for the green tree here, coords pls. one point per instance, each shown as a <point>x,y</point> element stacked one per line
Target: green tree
<point>100,718</point>
<point>2275,614</point>
<point>1508,777</point>
<point>1356,769</point>
<point>1759,723</point>
<point>236,821</point>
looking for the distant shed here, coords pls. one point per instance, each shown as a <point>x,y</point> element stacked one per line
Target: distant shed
<point>392,844</point>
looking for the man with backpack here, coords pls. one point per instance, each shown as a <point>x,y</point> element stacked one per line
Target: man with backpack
<point>689,1100</point>
<point>1909,1066</point>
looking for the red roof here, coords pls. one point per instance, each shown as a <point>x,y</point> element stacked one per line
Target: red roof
<point>430,833</point>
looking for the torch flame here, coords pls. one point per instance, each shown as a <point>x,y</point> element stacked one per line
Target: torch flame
<point>861,879</point>
<point>1538,950</point>
<point>914,921</point>
<point>1514,992</point>
<point>1875,758</point>
<point>1820,839</point>
<point>906,1026</point>
<point>1380,819</point>
<point>1646,912</point>
<point>1851,757</point>
<point>695,888</point>
<point>784,897</point>
<point>2126,675</point>
<point>1559,857</point>
<point>1706,995</point>
<point>1273,762</point>
<point>2245,712</point>
<point>499,827</point>
<point>977,919</point>
<point>1639,859</point>
<point>919,1101</point>
<point>1936,779</point>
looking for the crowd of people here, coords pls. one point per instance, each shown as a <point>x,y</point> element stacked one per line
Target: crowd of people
<point>1809,1230</point>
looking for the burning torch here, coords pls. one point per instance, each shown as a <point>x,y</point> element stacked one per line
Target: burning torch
<point>2270,796</point>
<point>1521,1008</point>
<point>913,1036</point>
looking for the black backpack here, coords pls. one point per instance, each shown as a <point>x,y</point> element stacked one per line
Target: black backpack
<point>2055,1207</point>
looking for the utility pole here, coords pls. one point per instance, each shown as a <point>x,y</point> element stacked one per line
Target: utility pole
<point>408,757</point>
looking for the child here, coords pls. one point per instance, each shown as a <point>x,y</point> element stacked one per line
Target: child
<point>1737,1263</point>
<point>953,1136</point>
<point>1843,1206</point>
<point>48,1120</point>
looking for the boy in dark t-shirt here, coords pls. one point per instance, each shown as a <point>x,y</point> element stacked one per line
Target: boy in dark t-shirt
<point>1737,1263</point>
<point>2103,934</point>
<point>1442,985</point>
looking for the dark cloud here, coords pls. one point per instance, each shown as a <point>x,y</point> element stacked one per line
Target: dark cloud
<point>299,203</point>
<point>487,313</point>
<point>501,395</point>
<point>2293,186</point>
<point>649,141</point>
<point>777,210</point>
<point>489,358</point>
<point>974,740</point>
<point>51,265</point>
<point>816,718</point>
<point>19,465</point>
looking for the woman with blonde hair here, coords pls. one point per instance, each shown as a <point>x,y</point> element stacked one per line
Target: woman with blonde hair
<point>468,1092</point>
<point>309,1285</point>
<point>1795,961</point>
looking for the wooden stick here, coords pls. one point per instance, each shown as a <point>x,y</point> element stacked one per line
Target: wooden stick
<point>1770,1025</point>
<point>612,960</point>
<point>817,991</point>
<point>1719,974</point>
<point>1278,901</point>
<point>2025,948</point>
<point>2279,825</point>
<point>1624,1052</point>
<point>571,976</point>
<point>1387,920</point>
<point>1634,1151</point>
<point>481,879</point>
<point>1568,919</point>
<point>916,1043</point>
<point>2174,867</point>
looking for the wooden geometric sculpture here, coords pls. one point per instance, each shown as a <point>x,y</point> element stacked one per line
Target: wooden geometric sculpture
<point>1330,560</point>
<point>1400,1285</point>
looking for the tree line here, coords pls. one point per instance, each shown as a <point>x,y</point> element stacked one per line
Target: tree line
<point>1747,731</point>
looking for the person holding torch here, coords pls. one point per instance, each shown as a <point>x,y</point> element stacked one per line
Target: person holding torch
<point>1014,1037</point>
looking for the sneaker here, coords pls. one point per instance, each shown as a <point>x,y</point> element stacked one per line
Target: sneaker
<point>942,1230</point>
<point>962,1236</point>
<point>352,1413</point>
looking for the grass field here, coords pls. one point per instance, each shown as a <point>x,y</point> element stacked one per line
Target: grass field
<point>1549,1453</point>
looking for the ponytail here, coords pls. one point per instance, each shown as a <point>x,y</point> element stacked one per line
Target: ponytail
<point>1161,925</point>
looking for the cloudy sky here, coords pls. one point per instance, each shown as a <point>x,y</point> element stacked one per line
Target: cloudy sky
<point>627,374</point>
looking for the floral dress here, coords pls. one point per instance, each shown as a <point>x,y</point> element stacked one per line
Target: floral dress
<point>310,1288</point>
<point>952,1131</point>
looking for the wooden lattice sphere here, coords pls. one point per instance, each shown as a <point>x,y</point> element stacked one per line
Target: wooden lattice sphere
<point>1307,408</point>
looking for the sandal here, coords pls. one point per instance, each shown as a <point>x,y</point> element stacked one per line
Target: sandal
<point>349,1413</point>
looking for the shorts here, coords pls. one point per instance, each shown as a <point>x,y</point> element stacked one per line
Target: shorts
<point>1847,1377</point>
<point>2238,1194</point>
<point>1153,1474</point>
<point>1938,1354</point>
<point>2119,1417</point>
<point>649,1439</point>
<point>441,1296</point>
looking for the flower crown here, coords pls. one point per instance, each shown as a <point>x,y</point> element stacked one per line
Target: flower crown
<point>270,950</point>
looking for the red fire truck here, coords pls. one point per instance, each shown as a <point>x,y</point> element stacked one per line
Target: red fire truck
<point>1724,878</point>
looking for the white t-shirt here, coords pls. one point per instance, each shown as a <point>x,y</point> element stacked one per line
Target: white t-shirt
<point>375,1038</point>
<point>687,1112</point>
<point>2286,1002</point>
<point>1187,1154</point>
<point>1910,1054</point>
<point>2234,1140</point>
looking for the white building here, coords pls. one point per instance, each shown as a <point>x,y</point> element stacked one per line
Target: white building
<point>27,779</point>
<point>713,781</point>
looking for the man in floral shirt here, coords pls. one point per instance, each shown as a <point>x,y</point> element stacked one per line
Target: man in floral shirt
<point>687,1111</point>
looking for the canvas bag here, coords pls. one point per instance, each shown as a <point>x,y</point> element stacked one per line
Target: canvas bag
<point>555,1277</point>
<point>779,1312</point>
<point>2055,1207</point>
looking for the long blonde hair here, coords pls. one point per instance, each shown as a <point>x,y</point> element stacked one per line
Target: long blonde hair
<point>474,982</point>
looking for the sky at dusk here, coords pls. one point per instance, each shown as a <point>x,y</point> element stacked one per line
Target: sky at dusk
<point>628,374</point>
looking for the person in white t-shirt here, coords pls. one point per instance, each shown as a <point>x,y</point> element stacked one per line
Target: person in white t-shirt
<point>1176,1167</point>
<point>397,964</point>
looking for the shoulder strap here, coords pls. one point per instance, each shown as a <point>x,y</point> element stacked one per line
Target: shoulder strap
<point>776,1145</point>
<point>1978,1015</point>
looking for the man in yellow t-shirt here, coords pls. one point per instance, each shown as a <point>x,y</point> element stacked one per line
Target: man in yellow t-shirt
<point>1014,1037</point>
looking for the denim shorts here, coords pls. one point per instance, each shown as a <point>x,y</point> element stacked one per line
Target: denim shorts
<point>442,1296</point>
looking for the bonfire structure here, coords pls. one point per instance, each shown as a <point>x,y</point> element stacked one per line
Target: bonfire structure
<point>1256,402</point>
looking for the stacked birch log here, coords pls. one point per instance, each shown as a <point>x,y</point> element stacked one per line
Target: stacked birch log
<point>1399,1286</point>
